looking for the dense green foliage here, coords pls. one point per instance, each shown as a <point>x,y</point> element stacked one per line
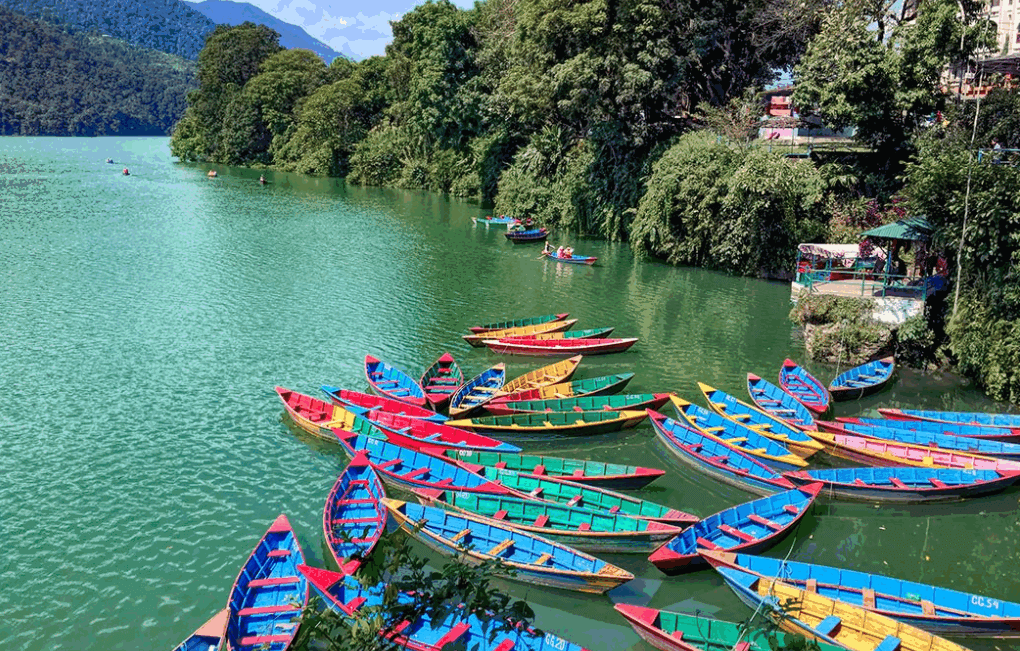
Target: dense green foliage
<point>169,26</point>
<point>53,83</point>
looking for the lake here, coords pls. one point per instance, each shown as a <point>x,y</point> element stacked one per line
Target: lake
<point>147,318</point>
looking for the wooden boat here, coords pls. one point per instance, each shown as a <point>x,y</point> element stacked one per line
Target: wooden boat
<point>772,453</point>
<point>904,484</point>
<point>342,593</point>
<point>795,440</point>
<point>877,452</point>
<point>441,380</point>
<point>979,432</point>
<point>354,518</point>
<point>478,340</point>
<point>632,401</point>
<point>575,423</point>
<point>862,380</point>
<point>531,235</point>
<point>927,439</point>
<point>562,491</point>
<point>591,473</point>
<point>1010,421</point>
<point>388,380</point>
<point>535,559</point>
<point>587,333</point>
<point>596,386</point>
<point>409,469</point>
<point>555,373</point>
<point>208,636</point>
<point>773,400</point>
<point>671,631</point>
<point>571,259</point>
<point>834,622</point>
<point>709,454</point>
<point>489,219</point>
<point>750,527</point>
<point>477,391</point>
<point>269,594</point>
<point>517,323</point>
<point>316,416</point>
<point>938,610</point>
<point>359,402</point>
<point>416,433</point>
<point>551,347</point>
<point>573,526</point>
<point>795,380</point>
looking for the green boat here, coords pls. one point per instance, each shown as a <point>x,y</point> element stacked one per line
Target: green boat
<point>575,423</point>
<point>518,323</point>
<point>584,403</point>
<point>596,386</point>
<point>589,497</point>
<point>588,333</point>
<point>577,527</point>
<point>591,473</point>
<point>679,632</point>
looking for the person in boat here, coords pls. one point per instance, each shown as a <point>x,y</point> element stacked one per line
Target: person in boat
<point>547,248</point>
<point>126,172</point>
<point>528,222</point>
<point>262,179</point>
<point>559,251</point>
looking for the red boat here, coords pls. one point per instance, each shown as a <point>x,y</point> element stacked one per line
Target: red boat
<point>417,433</point>
<point>549,347</point>
<point>359,403</point>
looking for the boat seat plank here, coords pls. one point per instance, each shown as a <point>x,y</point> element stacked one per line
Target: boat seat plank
<point>615,509</point>
<point>357,520</point>
<point>765,522</point>
<point>389,463</point>
<point>453,634</point>
<point>543,559</point>
<point>460,534</point>
<point>722,458</point>
<point>584,526</point>
<point>499,515</point>
<point>812,585</point>
<point>356,603</point>
<point>254,640</point>
<point>936,483</point>
<point>708,544</point>
<point>828,625</point>
<point>575,500</point>
<point>742,646</point>
<point>736,533</point>
<point>399,628</point>
<point>792,509</point>
<point>897,483</point>
<point>740,416</point>
<point>737,440</point>
<point>538,470</point>
<point>445,481</point>
<point>501,547</point>
<point>278,553</point>
<point>276,580</point>
<point>417,472</point>
<point>536,492</point>
<point>890,643</point>
<point>541,520</point>
<point>506,645</point>
<point>927,607</point>
<point>868,598</point>
<point>500,464</point>
<point>268,610</point>
<point>713,430</point>
<point>677,635</point>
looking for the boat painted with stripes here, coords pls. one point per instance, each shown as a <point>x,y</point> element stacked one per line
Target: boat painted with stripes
<point>900,484</point>
<point>710,455</point>
<point>570,259</point>
<point>592,473</point>
<point>343,594</point>
<point>820,618</point>
<point>320,418</point>
<point>773,400</point>
<point>804,387</point>
<point>938,610</point>
<point>477,391</point>
<point>525,236</point>
<point>417,433</point>
<point>390,381</point>
<point>772,453</point>
<point>533,347</point>
<point>587,333</point>
<point>441,380</point>
<point>573,526</point>
<point>1010,421</point>
<point>269,594</point>
<point>751,527</point>
<point>862,380</point>
<point>208,636</point>
<point>555,373</point>
<point>543,424</point>
<point>727,406</point>
<point>518,323</point>
<point>354,518</point>
<point>979,432</point>
<point>927,439</point>
<point>535,560</point>
<point>478,340</point>
<point>670,631</point>
<point>618,402</point>
<point>597,386</point>
<point>359,402</point>
<point>876,452</point>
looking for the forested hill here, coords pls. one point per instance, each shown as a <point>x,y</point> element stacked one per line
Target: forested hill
<point>169,26</point>
<point>55,83</point>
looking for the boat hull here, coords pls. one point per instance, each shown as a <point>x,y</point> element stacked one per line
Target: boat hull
<point>872,490</point>
<point>804,387</point>
<point>558,347</point>
<point>574,259</point>
<point>863,380</point>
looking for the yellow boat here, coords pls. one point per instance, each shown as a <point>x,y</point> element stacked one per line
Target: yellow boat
<point>548,375</point>
<point>522,331</point>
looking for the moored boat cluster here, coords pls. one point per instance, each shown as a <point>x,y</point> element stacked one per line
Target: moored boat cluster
<point>462,492</point>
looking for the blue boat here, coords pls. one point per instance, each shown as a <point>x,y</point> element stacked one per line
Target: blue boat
<point>710,455</point>
<point>535,559</point>
<point>208,637</point>
<point>765,424</point>
<point>478,390</point>
<point>904,485</point>
<point>1003,434</point>
<point>934,609</point>
<point>927,439</point>
<point>862,380</point>
<point>750,527</point>
<point>489,219</point>
<point>771,453</point>
<point>808,391</point>
<point>388,380</point>
<point>410,469</point>
<point>354,517</point>
<point>531,235</point>
<point>775,401</point>
<point>269,594</point>
<point>1012,421</point>
<point>343,594</point>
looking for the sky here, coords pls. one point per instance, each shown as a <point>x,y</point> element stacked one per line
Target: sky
<point>364,29</point>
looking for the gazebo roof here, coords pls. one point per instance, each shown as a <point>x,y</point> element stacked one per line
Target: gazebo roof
<point>911,228</point>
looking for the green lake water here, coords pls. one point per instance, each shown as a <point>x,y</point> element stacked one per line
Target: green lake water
<point>147,318</point>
